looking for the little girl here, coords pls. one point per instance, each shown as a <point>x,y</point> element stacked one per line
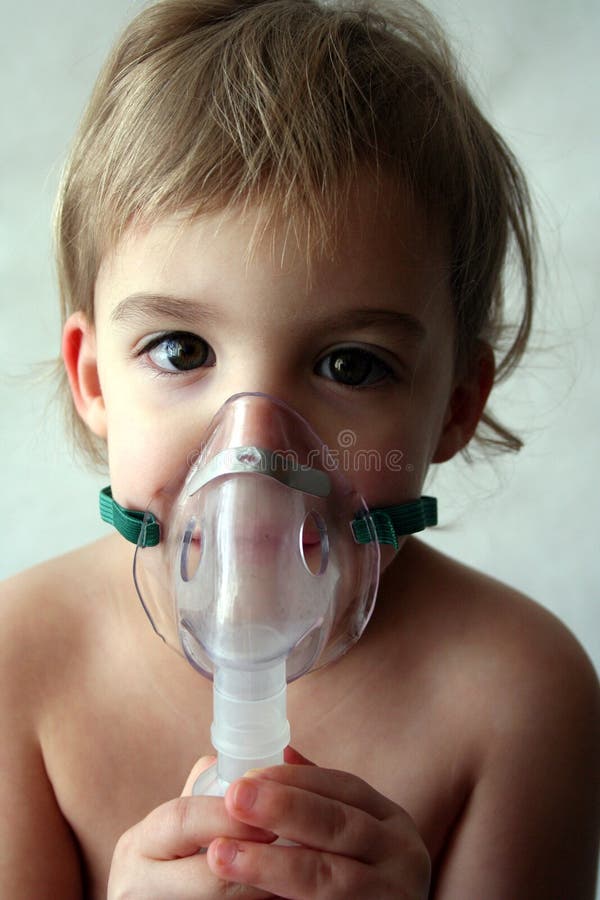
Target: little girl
<point>298,200</point>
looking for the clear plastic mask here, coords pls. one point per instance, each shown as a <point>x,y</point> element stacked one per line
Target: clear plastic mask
<point>257,565</point>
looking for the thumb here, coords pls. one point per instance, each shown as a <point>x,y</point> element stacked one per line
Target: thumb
<point>203,763</point>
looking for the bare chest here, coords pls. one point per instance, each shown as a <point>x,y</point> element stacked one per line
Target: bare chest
<point>120,747</point>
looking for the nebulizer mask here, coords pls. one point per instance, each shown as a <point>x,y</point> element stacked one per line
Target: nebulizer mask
<point>259,563</point>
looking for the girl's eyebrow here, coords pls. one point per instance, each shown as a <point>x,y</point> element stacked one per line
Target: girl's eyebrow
<point>145,307</point>
<point>368,317</point>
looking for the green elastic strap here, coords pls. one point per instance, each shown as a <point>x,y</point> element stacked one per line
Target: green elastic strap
<point>137,527</point>
<point>390,522</point>
<point>384,525</point>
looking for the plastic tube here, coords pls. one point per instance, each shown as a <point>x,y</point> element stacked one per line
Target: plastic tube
<point>250,729</point>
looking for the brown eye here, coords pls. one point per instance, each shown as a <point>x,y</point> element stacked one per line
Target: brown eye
<point>354,367</point>
<point>179,352</point>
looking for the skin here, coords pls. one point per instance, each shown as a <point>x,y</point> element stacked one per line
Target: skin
<point>468,716</point>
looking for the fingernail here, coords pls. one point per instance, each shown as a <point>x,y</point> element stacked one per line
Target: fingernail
<point>226,852</point>
<point>245,795</point>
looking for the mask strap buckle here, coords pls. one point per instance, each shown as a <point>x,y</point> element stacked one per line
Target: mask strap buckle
<point>387,523</point>
<point>137,527</point>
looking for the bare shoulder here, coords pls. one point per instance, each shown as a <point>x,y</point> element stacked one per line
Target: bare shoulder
<point>492,638</point>
<point>517,667</point>
<point>47,615</point>
<point>39,598</point>
<point>51,612</point>
<point>512,643</point>
<point>522,695</point>
<point>41,631</point>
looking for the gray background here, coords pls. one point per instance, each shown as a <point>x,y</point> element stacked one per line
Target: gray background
<point>530,520</point>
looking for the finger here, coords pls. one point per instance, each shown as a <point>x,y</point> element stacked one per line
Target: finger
<point>293,872</point>
<point>183,826</point>
<point>293,758</point>
<point>330,783</point>
<point>203,763</point>
<point>184,879</point>
<point>308,818</point>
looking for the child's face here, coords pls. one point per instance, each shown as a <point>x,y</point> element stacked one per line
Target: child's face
<point>361,345</point>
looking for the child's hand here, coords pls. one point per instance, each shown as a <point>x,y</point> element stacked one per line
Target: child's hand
<point>355,842</point>
<point>159,856</point>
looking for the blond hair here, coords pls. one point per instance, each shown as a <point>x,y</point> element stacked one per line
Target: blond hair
<point>204,104</point>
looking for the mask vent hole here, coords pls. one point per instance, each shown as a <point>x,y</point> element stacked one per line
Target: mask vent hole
<point>191,552</point>
<point>314,543</point>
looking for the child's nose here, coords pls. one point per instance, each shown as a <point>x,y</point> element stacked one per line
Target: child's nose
<point>265,421</point>
<point>256,421</point>
<point>259,420</point>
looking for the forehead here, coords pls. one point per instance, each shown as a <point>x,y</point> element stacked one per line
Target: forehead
<point>381,242</point>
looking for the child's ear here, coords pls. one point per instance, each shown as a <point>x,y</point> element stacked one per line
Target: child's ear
<point>79,355</point>
<point>467,402</point>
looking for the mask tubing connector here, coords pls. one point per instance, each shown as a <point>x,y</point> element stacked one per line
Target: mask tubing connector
<point>250,729</point>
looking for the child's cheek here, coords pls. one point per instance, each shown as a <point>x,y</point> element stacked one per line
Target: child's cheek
<point>388,474</point>
<point>144,458</point>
